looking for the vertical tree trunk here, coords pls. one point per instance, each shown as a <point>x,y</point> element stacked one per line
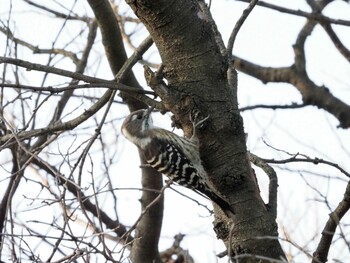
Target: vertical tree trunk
<point>196,72</point>
<point>145,245</point>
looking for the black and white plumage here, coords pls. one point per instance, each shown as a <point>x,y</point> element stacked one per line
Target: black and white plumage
<point>174,156</point>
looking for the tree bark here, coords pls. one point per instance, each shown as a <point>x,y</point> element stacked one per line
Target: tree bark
<point>196,72</point>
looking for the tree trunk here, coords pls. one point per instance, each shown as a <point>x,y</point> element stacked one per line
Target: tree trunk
<point>145,245</point>
<point>196,72</point>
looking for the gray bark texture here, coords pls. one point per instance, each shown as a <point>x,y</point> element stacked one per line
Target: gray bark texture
<point>196,72</point>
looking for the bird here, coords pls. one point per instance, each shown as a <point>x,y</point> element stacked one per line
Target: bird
<point>174,156</point>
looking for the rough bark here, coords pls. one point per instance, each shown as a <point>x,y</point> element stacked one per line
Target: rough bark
<point>196,74</point>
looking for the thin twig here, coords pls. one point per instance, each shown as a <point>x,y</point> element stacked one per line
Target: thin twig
<point>155,200</point>
<point>238,26</point>
<point>314,16</point>
<point>293,105</point>
<point>111,85</point>
<point>307,160</point>
<point>321,253</point>
<point>336,41</point>
<point>53,70</point>
<point>58,14</point>
<point>137,55</point>
<point>273,182</point>
<point>36,49</point>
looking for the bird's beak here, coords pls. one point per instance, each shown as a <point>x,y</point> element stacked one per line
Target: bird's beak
<point>148,113</point>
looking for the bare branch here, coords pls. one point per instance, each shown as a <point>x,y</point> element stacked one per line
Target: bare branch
<point>80,68</point>
<point>238,26</point>
<point>36,49</point>
<point>56,13</point>
<point>293,105</point>
<point>312,94</point>
<point>114,47</point>
<point>273,182</point>
<point>231,71</point>
<point>7,140</point>
<point>307,159</point>
<point>52,90</point>
<point>50,69</point>
<point>137,55</point>
<point>152,207</point>
<point>321,253</point>
<point>299,46</point>
<point>312,16</point>
<point>114,225</point>
<point>336,41</point>
<point>16,175</point>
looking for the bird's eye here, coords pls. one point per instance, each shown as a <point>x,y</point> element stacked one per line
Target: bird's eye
<point>136,117</point>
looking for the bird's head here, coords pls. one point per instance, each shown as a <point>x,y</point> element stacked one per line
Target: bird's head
<point>136,124</point>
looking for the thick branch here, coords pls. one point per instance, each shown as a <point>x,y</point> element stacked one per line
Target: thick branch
<point>16,176</point>
<point>273,184</point>
<point>238,26</point>
<point>336,41</point>
<point>149,224</point>
<point>312,94</point>
<point>321,253</point>
<point>115,51</point>
<point>296,75</point>
<point>114,46</point>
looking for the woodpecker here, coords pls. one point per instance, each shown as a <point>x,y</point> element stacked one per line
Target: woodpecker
<point>172,155</point>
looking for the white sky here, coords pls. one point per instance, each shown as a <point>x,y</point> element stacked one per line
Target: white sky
<point>266,38</point>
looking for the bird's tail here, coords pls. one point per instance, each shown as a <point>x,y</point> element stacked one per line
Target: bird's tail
<point>224,205</point>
